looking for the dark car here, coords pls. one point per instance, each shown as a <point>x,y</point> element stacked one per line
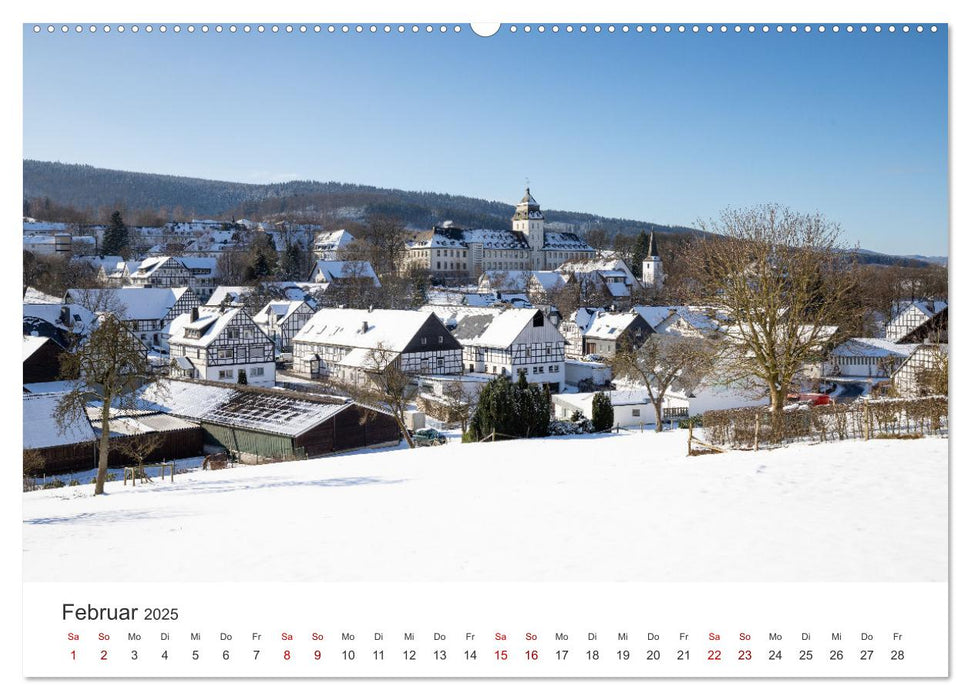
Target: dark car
<point>428,436</point>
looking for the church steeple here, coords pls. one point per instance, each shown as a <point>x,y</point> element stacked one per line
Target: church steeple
<point>652,269</point>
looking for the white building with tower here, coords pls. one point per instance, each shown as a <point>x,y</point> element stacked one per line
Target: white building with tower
<point>451,252</point>
<point>652,269</point>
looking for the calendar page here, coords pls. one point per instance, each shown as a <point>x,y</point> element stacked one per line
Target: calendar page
<point>533,349</point>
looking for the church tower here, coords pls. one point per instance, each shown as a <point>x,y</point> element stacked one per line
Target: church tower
<point>652,269</point>
<point>529,221</point>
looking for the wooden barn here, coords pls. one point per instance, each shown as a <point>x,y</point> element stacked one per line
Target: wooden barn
<point>64,448</point>
<point>254,424</point>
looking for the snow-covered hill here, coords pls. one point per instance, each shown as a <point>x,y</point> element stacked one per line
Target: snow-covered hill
<point>628,507</point>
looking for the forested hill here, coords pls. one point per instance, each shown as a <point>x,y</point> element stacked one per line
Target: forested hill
<point>88,188</point>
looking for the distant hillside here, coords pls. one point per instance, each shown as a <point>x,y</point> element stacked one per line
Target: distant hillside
<point>86,187</point>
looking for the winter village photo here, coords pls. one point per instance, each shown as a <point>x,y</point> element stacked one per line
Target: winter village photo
<point>338,310</point>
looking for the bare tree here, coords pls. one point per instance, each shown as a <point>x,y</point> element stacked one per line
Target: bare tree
<point>388,236</point>
<point>99,300</point>
<point>931,377</point>
<point>459,403</point>
<point>776,273</point>
<point>112,365</point>
<point>664,361</point>
<point>139,448</point>
<point>384,385</point>
<point>597,239</point>
<point>566,298</point>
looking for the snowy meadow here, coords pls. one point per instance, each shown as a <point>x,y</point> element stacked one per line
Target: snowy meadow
<point>614,507</point>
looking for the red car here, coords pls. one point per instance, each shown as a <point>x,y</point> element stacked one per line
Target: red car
<point>811,399</point>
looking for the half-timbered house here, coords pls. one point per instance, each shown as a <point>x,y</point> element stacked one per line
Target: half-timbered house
<point>221,345</point>
<point>161,272</point>
<point>283,319</point>
<point>349,343</point>
<point>508,342</point>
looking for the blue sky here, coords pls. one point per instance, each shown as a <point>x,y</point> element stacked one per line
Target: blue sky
<point>671,128</point>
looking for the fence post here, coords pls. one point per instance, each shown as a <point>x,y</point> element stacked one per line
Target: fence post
<point>758,426</point>
<point>691,430</point>
<point>866,419</point>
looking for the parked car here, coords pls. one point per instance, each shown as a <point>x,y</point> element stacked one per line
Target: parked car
<point>427,437</point>
<point>810,399</point>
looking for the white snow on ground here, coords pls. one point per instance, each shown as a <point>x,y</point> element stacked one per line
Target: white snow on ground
<point>621,507</point>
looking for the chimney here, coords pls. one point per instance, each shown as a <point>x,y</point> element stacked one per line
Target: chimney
<point>194,314</point>
<point>363,326</point>
<point>65,317</point>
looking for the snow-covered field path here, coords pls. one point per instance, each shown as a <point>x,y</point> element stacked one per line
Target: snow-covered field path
<point>628,507</point>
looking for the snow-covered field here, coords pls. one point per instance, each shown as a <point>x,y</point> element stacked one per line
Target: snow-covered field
<point>627,507</point>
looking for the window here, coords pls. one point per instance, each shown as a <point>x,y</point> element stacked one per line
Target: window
<point>225,354</point>
<point>553,368</point>
<point>441,339</point>
<point>441,362</point>
<point>424,341</point>
<point>636,412</point>
<point>538,321</point>
<point>232,333</point>
<point>256,371</point>
<point>225,374</point>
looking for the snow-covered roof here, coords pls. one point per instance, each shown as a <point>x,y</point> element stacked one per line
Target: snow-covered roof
<point>448,237</point>
<point>37,315</point>
<point>334,240</point>
<point>282,310</point>
<point>279,413</point>
<point>598,264</point>
<point>698,319</point>
<point>558,240</point>
<point>58,386</point>
<point>210,325</point>
<point>655,315</point>
<point>549,280</point>
<point>123,268</point>
<point>41,428</point>
<point>199,263</point>
<point>35,239</point>
<point>294,291</point>
<point>228,295</point>
<point>505,280</point>
<point>391,329</point>
<point>609,325</point>
<point>927,307</point>
<point>35,296</point>
<point>34,225</point>
<point>618,290</point>
<point>107,263</point>
<point>620,397</point>
<point>344,269</point>
<point>32,343</point>
<point>873,347</point>
<point>492,327</point>
<point>135,422</point>
<point>135,303</point>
